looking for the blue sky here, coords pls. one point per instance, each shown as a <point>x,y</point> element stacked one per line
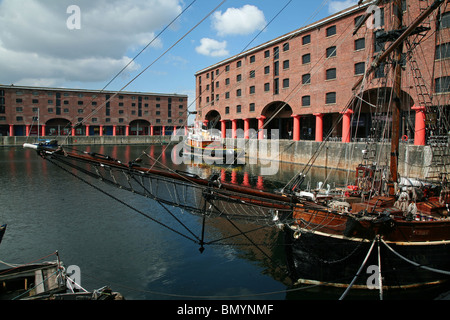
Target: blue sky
<point>38,49</point>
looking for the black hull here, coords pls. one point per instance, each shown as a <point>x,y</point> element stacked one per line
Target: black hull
<point>324,260</point>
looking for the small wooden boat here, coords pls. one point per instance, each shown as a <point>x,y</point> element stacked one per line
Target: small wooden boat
<point>32,280</point>
<point>208,145</point>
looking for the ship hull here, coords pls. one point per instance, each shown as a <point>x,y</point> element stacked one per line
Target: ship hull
<point>321,258</point>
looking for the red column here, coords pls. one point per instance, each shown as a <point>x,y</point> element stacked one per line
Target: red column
<point>151,130</point>
<point>163,131</point>
<point>260,127</point>
<point>346,133</point>
<point>233,128</point>
<point>73,132</point>
<point>296,133</point>
<point>43,130</point>
<point>419,130</point>
<point>114,130</point>
<point>246,128</point>
<point>223,128</point>
<point>127,131</point>
<point>11,130</point>
<point>87,130</point>
<point>101,131</point>
<point>28,127</point>
<point>319,127</point>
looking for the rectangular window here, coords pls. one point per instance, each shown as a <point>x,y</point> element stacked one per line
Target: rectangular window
<point>306,101</point>
<point>276,84</point>
<point>306,39</point>
<point>331,31</point>
<point>238,64</point>
<point>442,85</point>
<point>227,110</point>
<point>360,68</point>
<point>227,81</point>
<point>443,51</point>
<point>252,59</point>
<point>379,72</point>
<point>266,87</point>
<point>252,74</point>
<point>331,52</point>
<point>238,78</point>
<point>358,19</point>
<point>331,74</point>
<point>286,64</point>
<point>444,20</point>
<point>238,109</point>
<point>238,92</point>
<point>360,44</point>
<point>267,70</point>
<point>285,83</point>
<point>286,46</point>
<point>276,53</point>
<point>35,101</point>
<point>377,45</point>
<point>306,58</point>
<point>267,54</point>
<point>276,68</point>
<point>252,107</point>
<point>330,98</point>
<point>306,79</point>
<point>227,68</point>
<point>252,89</point>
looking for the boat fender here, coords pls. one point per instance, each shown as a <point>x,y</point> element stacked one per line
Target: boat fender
<point>405,138</point>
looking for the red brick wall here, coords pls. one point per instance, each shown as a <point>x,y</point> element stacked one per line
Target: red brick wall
<point>344,62</point>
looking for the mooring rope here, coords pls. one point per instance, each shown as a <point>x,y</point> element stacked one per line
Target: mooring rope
<point>359,271</point>
<point>415,263</point>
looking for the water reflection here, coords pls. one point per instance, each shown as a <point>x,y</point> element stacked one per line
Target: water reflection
<point>46,210</point>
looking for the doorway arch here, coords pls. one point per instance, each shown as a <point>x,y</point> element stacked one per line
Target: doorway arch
<point>278,117</point>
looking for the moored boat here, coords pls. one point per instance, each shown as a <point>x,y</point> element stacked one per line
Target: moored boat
<point>208,145</point>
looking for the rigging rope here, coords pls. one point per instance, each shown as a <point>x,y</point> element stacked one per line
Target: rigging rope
<point>415,263</point>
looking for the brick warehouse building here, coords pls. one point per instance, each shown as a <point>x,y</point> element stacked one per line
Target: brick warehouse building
<point>311,72</point>
<point>55,111</point>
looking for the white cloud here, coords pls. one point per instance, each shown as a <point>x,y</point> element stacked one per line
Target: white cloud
<point>242,21</point>
<point>37,47</point>
<point>336,6</point>
<point>212,48</point>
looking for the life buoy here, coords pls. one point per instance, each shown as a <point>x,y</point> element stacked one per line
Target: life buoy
<point>405,138</point>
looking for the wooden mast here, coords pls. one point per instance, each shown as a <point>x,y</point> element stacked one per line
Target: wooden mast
<point>396,107</point>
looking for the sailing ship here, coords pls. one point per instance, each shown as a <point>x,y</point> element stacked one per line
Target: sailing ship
<point>407,218</point>
<point>328,234</point>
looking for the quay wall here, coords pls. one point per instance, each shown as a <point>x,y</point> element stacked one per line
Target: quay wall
<point>90,140</point>
<point>413,160</point>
